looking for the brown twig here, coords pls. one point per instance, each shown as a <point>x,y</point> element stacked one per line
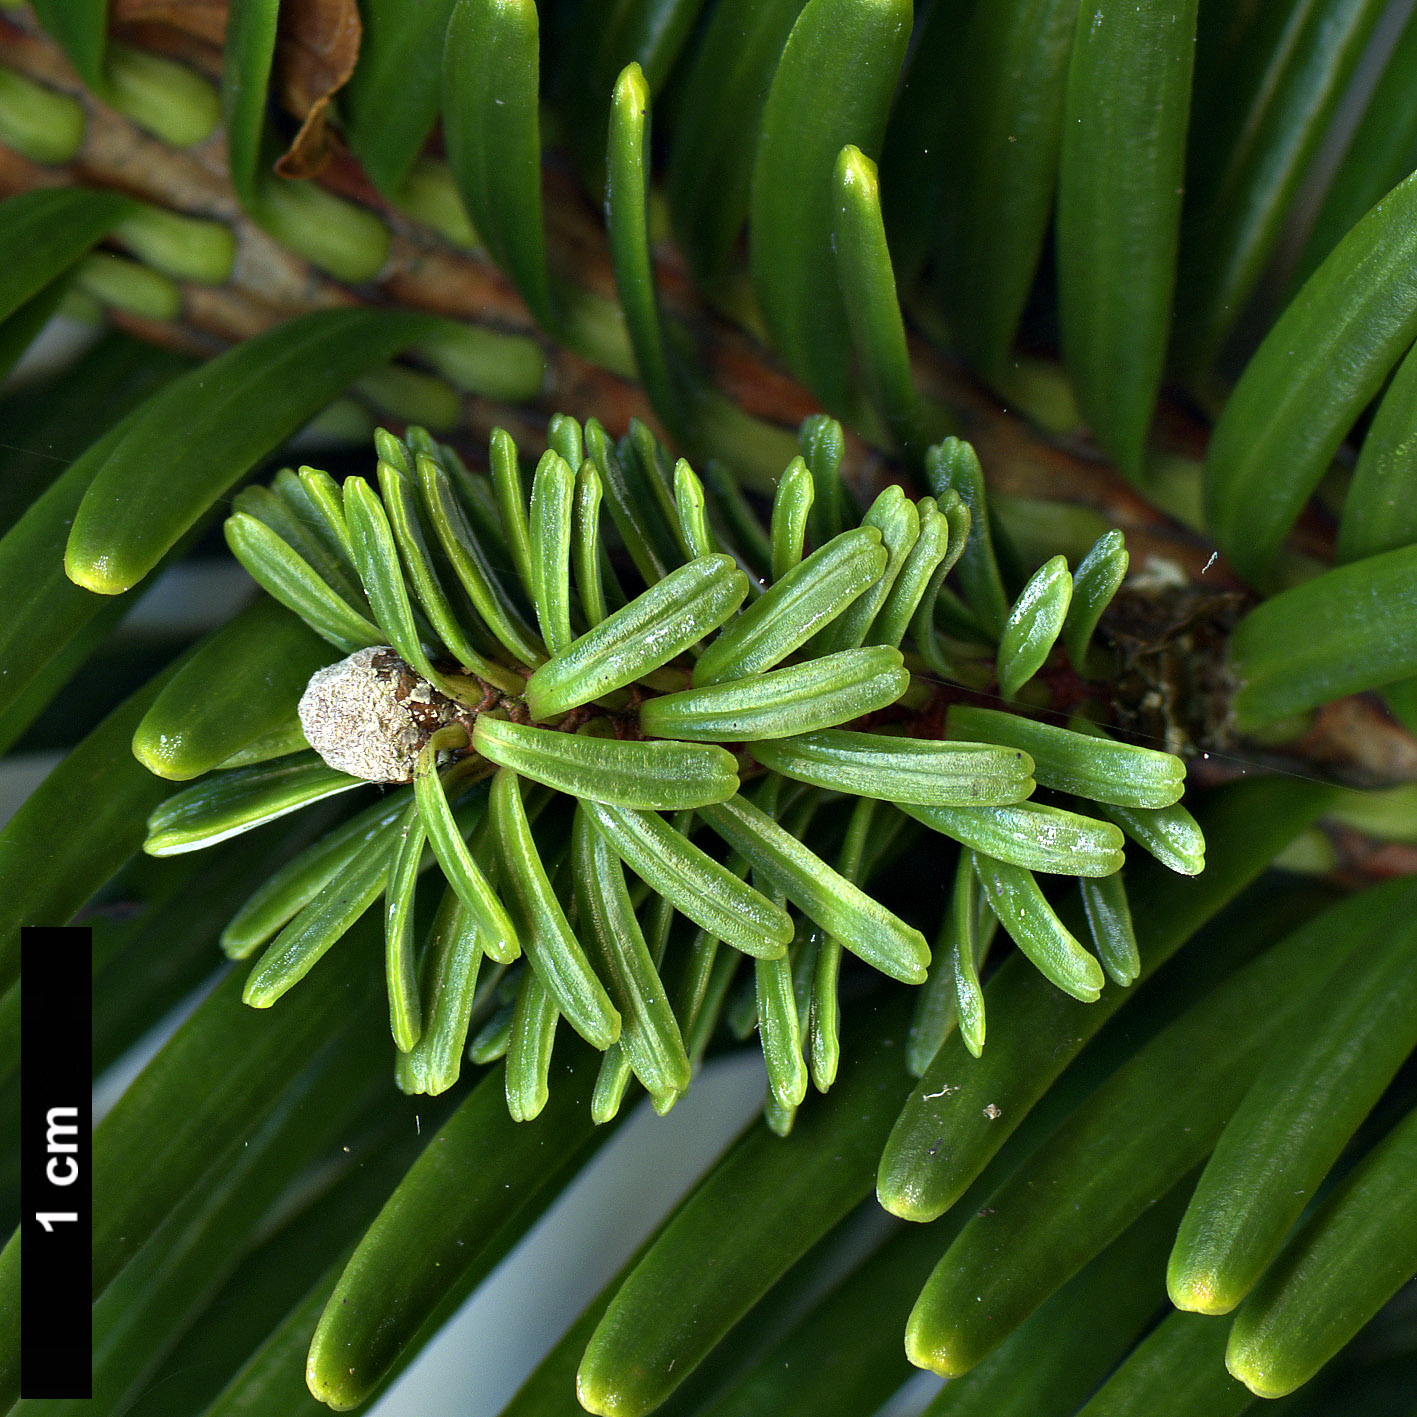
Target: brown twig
<point>1353,740</point>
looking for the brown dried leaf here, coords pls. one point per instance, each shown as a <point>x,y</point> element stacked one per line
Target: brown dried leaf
<point>312,147</point>
<point>317,45</point>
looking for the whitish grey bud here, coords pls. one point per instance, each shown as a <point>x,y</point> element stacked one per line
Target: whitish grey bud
<point>370,714</point>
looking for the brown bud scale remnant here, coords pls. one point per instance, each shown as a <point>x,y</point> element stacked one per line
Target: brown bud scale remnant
<point>370,714</point>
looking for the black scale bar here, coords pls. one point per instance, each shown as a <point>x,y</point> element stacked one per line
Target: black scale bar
<point>56,1154</point>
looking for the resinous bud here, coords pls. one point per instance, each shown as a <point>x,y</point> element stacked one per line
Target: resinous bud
<point>370,714</point>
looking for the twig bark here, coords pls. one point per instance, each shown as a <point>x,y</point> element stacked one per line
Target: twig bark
<point>1354,741</point>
